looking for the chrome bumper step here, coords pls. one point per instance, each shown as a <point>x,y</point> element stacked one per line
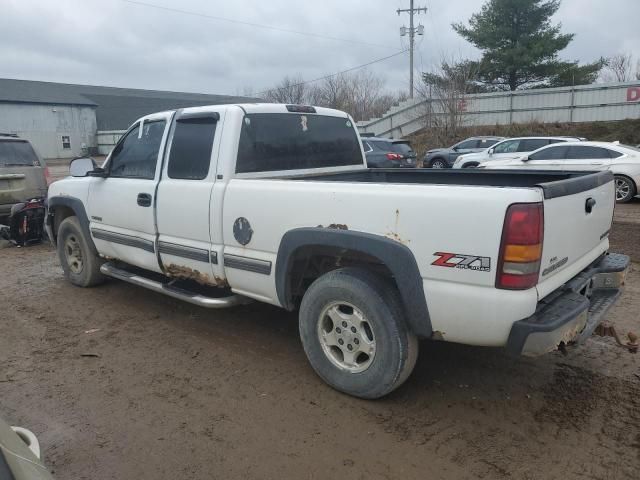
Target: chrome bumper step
<point>118,273</point>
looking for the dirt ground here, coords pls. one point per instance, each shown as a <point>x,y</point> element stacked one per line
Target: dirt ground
<point>170,390</point>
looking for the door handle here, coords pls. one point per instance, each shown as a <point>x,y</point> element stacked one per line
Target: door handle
<point>144,199</point>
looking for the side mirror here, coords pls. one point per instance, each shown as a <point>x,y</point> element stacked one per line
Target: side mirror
<point>80,167</point>
<point>491,151</point>
<point>526,158</point>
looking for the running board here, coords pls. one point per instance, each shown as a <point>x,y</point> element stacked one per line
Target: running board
<point>112,271</point>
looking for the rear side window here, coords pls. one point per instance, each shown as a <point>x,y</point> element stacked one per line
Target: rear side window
<point>18,154</point>
<point>551,153</point>
<point>586,153</point>
<point>286,141</point>
<point>486,143</point>
<point>367,148</point>
<point>509,146</point>
<point>190,154</point>
<point>531,144</point>
<point>136,157</point>
<point>467,144</point>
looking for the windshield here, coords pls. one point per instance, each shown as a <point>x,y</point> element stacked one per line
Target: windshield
<point>285,141</point>
<point>17,153</point>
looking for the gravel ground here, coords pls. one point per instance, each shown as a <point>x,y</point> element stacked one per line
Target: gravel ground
<point>122,383</point>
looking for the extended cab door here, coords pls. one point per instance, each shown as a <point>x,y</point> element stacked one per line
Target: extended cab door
<point>184,207</point>
<point>121,205</point>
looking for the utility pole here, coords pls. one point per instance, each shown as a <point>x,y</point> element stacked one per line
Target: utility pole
<point>411,31</point>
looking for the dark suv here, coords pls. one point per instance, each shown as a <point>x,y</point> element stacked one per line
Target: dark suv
<point>23,174</point>
<point>388,153</point>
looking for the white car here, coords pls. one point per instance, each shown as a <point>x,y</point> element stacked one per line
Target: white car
<point>224,204</point>
<point>621,160</point>
<point>509,148</point>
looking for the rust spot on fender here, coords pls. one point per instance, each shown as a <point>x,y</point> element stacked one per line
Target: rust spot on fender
<point>186,273</point>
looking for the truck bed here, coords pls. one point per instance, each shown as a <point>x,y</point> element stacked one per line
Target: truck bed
<point>553,183</point>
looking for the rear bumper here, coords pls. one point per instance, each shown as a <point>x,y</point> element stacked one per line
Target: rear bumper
<point>570,314</point>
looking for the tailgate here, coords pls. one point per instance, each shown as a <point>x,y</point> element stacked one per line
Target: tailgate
<point>577,219</point>
<point>12,187</point>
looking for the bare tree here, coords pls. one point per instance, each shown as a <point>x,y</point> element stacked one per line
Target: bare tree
<point>443,94</point>
<point>620,68</point>
<point>292,90</point>
<point>360,94</point>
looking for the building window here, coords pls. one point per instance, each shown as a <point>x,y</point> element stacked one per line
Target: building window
<point>66,142</point>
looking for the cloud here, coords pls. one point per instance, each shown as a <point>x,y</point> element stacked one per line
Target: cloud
<point>112,42</point>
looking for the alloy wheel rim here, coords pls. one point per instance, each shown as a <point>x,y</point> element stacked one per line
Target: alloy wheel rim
<point>73,254</point>
<point>346,337</point>
<point>622,189</point>
<point>437,164</point>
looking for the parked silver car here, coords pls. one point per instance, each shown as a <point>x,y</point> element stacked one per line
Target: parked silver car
<point>445,157</point>
<point>621,160</point>
<point>23,174</point>
<point>509,148</point>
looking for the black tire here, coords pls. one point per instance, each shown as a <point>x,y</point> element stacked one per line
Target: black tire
<point>438,163</point>
<point>378,302</point>
<point>80,265</point>
<point>625,189</point>
<point>471,165</point>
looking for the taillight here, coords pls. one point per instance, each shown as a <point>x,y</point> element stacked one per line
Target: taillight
<point>394,156</point>
<point>47,175</point>
<point>521,247</point>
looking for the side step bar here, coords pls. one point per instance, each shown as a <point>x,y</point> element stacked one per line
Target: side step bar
<point>111,270</point>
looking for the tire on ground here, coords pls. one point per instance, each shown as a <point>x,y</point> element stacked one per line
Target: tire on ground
<point>396,348</point>
<point>84,274</point>
<point>632,191</point>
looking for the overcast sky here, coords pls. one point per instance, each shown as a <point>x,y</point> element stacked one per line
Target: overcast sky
<point>116,43</point>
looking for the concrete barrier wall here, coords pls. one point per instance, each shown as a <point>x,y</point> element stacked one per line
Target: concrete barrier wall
<point>588,103</point>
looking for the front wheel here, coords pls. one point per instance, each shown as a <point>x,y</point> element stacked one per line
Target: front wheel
<point>354,333</point>
<point>438,163</point>
<point>80,265</point>
<point>625,189</point>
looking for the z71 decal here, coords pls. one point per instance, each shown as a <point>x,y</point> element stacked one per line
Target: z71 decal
<point>465,262</point>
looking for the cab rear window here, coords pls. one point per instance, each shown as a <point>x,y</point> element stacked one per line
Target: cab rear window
<point>272,142</point>
<point>17,154</point>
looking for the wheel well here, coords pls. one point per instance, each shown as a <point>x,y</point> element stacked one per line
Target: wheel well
<point>470,165</point>
<point>628,178</point>
<point>312,261</point>
<point>436,158</point>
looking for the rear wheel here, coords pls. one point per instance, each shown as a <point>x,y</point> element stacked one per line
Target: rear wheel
<point>625,189</point>
<point>354,333</point>
<point>80,265</point>
<point>438,163</point>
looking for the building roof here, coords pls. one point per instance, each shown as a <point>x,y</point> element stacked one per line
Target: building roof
<point>116,108</point>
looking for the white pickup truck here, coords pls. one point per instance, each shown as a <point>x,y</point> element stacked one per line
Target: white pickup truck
<point>219,205</point>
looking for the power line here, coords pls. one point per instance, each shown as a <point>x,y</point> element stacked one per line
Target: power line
<point>251,24</point>
<point>335,74</point>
